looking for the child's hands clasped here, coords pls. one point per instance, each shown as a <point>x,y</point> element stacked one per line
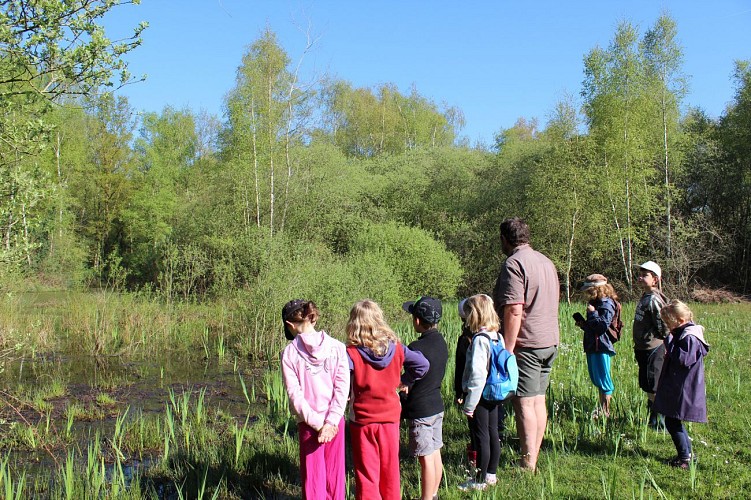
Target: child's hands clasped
<point>327,433</point>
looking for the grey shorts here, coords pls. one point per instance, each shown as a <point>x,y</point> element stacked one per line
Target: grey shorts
<point>425,435</point>
<point>534,369</point>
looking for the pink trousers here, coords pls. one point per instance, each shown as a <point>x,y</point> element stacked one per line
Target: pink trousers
<point>321,465</point>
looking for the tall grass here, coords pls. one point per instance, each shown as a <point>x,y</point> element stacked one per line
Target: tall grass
<point>197,450</point>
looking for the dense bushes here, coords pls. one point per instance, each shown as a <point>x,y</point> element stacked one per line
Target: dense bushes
<point>421,265</point>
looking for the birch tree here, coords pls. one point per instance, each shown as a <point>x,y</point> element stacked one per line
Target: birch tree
<point>264,121</point>
<point>617,105</point>
<point>664,58</point>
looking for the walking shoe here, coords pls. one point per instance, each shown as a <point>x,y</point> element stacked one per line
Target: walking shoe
<point>472,485</point>
<point>491,479</point>
<point>682,463</point>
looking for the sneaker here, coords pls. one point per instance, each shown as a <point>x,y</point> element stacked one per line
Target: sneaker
<point>472,485</point>
<point>491,479</point>
<point>682,463</point>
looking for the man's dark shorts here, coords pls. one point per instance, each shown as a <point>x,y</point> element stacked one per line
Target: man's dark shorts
<point>534,369</point>
<point>650,365</point>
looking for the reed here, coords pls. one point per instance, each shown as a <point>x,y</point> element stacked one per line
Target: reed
<point>197,450</point>
<point>12,487</point>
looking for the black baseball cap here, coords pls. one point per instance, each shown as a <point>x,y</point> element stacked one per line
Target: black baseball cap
<point>288,310</point>
<point>427,309</point>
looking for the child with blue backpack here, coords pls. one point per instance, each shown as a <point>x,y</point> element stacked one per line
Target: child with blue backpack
<point>483,322</point>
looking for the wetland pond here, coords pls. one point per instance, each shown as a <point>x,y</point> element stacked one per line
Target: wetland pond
<point>54,407</point>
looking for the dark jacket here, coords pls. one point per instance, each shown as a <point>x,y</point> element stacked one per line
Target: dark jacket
<point>649,330</point>
<point>462,345</point>
<point>424,396</point>
<point>682,392</point>
<point>596,338</point>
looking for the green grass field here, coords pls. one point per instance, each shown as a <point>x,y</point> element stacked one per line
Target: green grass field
<point>195,448</point>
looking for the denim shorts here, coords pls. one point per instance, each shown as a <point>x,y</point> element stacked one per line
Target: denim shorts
<point>425,435</point>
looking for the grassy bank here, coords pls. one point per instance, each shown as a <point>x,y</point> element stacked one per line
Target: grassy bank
<point>135,326</point>
<point>195,448</point>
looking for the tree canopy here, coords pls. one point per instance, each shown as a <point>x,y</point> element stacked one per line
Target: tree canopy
<point>342,192</point>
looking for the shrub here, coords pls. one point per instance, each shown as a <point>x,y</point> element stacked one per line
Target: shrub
<point>422,265</point>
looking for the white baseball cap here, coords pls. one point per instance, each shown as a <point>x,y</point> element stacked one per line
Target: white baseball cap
<point>652,267</point>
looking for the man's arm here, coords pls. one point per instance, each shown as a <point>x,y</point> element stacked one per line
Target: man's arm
<point>512,324</point>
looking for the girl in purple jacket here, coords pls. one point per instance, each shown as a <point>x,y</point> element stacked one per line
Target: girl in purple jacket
<point>681,393</point>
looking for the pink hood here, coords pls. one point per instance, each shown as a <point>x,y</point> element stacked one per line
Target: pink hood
<point>315,347</point>
<point>316,375</point>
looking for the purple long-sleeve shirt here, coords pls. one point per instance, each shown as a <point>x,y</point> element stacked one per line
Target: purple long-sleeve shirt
<point>415,364</point>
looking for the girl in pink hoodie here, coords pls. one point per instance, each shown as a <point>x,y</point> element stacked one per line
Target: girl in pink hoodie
<point>315,370</point>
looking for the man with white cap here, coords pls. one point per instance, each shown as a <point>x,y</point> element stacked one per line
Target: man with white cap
<point>649,333</point>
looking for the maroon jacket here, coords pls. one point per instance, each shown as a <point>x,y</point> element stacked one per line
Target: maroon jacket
<point>681,392</point>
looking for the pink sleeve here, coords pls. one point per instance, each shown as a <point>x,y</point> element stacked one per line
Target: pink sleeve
<point>295,391</point>
<point>341,389</point>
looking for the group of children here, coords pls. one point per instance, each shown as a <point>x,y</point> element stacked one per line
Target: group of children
<point>385,381</point>
<point>669,350</point>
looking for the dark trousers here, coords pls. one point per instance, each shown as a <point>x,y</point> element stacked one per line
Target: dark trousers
<point>680,437</point>
<point>484,428</point>
<point>502,417</point>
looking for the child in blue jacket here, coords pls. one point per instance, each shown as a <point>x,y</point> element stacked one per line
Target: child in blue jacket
<point>597,343</point>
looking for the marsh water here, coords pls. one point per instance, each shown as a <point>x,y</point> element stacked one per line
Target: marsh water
<point>106,388</point>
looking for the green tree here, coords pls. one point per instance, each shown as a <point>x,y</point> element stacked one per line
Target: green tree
<point>618,107</point>
<point>664,58</point>
<point>728,188</point>
<point>101,185</point>
<point>48,49</point>
<point>265,113</point>
<point>165,152</point>
<point>365,123</point>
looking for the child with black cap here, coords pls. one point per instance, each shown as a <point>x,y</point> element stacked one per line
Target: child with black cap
<point>423,404</point>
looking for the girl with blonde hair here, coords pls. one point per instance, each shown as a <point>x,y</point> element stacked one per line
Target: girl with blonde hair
<point>682,394</point>
<point>483,322</point>
<point>598,346</point>
<point>376,358</point>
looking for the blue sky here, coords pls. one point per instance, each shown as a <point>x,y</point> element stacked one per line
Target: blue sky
<point>496,61</point>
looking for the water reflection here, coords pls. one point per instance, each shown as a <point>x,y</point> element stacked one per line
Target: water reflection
<point>40,392</point>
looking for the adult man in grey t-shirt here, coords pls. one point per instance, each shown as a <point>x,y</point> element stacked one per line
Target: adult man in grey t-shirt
<point>526,297</point>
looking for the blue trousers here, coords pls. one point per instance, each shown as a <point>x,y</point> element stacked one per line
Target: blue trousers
<point>680,437</point>
<point>598,364</point>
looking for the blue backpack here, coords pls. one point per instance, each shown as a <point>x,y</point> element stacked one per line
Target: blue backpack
<point>503,373</point>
